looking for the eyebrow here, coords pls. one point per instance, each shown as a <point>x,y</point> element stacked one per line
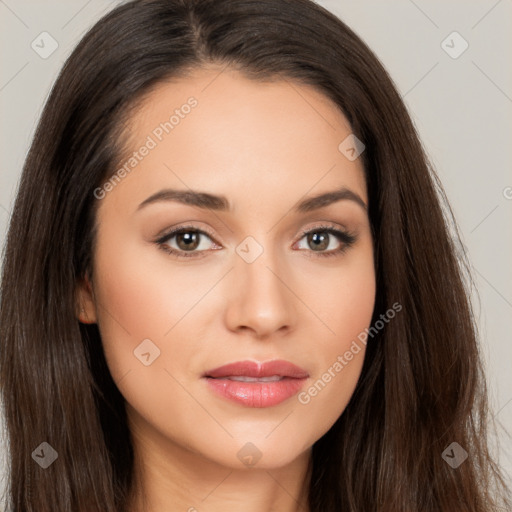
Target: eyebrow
<point>221,203</point>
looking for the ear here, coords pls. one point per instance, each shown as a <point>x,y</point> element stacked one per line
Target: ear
<point>86,305</point>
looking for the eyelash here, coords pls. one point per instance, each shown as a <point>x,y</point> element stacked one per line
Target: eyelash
<point>346,238</point>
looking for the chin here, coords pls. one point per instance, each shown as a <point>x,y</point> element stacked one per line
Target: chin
<point>256,452</point>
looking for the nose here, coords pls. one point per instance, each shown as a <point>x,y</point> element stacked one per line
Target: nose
<point>260,297</point>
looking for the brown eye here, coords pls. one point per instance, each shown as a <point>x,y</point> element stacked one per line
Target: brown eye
<point>185,241</point>
<point>318,240</point>
<point>188,240</point>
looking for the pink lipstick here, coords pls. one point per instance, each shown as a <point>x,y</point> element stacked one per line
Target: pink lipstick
<point>256,384</point>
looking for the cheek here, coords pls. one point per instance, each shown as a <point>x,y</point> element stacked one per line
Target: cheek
<point>341,296</point>
<point>145,309</point>
<point>353,294</point>
<point>136,301</point>
<point>345,301</point>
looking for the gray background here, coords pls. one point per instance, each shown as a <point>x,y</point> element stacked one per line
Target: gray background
<point>461,106</point>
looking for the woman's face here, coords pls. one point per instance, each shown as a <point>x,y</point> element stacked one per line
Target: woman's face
<point>242,282</point>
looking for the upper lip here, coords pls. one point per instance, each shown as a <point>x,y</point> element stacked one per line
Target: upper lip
<point>258,369</point>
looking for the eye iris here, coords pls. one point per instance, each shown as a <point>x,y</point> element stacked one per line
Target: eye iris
<point>320,239</point>
<point>191,239</point>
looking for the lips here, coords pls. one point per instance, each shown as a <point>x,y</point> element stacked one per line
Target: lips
<point>256,384</point>
<point>256,370</point>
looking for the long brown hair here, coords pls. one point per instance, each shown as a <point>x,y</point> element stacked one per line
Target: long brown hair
<point>422,386</point>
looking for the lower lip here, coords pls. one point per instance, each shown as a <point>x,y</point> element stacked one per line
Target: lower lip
<point>256,394</point>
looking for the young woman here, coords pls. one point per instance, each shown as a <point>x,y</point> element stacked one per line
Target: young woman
<point>229,283</point>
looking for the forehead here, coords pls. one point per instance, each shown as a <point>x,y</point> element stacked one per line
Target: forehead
<point>219,131</point>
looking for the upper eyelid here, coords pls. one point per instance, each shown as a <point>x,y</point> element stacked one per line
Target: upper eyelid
<point>323,225</point>
<point>173,232</point>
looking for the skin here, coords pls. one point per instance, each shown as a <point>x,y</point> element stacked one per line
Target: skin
<point>265,146</point>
